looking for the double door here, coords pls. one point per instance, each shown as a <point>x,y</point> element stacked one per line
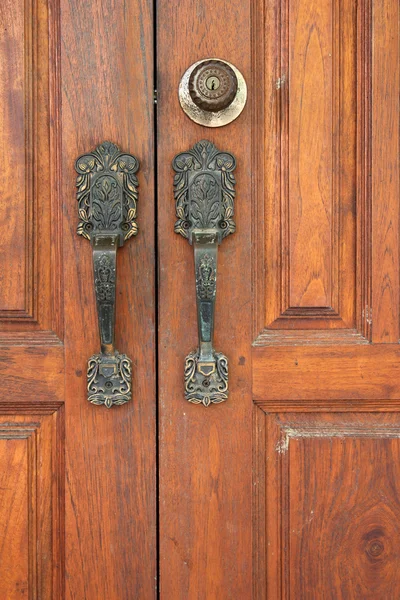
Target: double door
<point>289,486</point>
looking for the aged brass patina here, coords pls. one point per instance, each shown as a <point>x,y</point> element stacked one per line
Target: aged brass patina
<point>212,92</point>
<point>204,187</point>
<point>213,85</point>
<point>107,196</point>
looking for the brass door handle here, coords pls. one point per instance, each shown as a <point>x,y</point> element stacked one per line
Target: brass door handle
<point>204,188</point>
<point>107,196</point>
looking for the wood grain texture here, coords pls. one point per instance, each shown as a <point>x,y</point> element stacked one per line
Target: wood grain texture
<point>312,114</point>
<point>337,372</point>
<point>30,296</point>
<point>304,501</point>
<point>16,472</point>
<point>385,171</point>
<point>305,257</point>
<point>31,373</point>
<point>326,425</point>
<point>328,489</point>
<point>32,486</point>
<point>107,92</point>
<point>205,496</point>
<point>364,169</point>
<point>16,55</point>
<point>31,310</point>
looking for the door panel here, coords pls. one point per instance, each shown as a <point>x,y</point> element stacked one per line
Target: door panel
<point>32,497</point>
<point>309,227</point>
<point>371,374</point>
<point>384,169</point>
<point>289,488</point>
<point>311,272</point>
<point>325,353</point>
<point>307,309</point>
<point>329,501</point>
<point>30,290</point>
<point>205,454</point>
<point>79,507</point>
<point>31,311</point>
<point>107,94</point>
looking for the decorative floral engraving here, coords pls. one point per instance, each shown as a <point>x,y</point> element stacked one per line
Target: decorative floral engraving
<point>107,192</point>
<point>109,379</point>
<point>107,197</point>
<point>204,202</point>
<point>106,204</point>
<point>206,390</point>
<point>206,280</point>
<point>204,189</point>
<point>105,279</point>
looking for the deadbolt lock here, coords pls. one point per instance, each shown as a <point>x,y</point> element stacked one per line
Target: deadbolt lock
<point>213,85</point>
<point>212,92</point>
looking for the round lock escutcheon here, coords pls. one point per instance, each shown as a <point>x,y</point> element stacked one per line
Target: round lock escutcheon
<point>212,92</point>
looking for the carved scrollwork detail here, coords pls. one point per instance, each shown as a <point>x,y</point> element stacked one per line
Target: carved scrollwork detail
<point>210,389</point>
<point>206,280</point>
<point>109,379</point>
<point>204,190</point>
<point>107,192</point>
<point>105,279</point>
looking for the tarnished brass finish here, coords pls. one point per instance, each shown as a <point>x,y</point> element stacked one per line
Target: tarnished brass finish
<point>204,187</point>
<point>213,85</point>
<point>212,92</point>
<point>107,196</point>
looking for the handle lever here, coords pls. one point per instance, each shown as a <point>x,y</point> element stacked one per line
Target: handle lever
<point>204,188</point>
<point>107,196</point>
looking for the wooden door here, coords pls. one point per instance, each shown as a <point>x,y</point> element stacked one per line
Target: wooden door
<point>78,502</point>
<point>290,489</point>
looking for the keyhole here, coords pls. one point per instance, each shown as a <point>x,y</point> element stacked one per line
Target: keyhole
<point>212,83</point>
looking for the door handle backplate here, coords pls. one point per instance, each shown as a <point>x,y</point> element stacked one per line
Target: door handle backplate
<point>107,195</point>
<point>204,188</point>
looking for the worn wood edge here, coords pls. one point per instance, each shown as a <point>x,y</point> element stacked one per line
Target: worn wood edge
<point>303,312</point>
<point>363,162</point>
<point>384,170</point>
<point>35,407</point>
<point>30,101</point>
<point>302,321</point>
<point>269,580</point>
<point>257,18</point>
<point>17,315</point>
<point>29,338</point>
<point>56,259</point>
<point>258,505</point>
<point>350,405</point>
<point>58,499</point>
<point>309,337</point>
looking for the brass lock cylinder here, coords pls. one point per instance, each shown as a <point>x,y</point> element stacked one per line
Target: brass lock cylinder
<point>212,92</point>
<point>213,85</point>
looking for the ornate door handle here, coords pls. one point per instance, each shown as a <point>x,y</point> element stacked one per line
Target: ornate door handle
<point>204,188</point>
<point>107,196</point>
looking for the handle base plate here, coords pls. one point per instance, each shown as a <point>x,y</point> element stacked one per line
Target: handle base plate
<point>109,379</point>
<point>206,382</point>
